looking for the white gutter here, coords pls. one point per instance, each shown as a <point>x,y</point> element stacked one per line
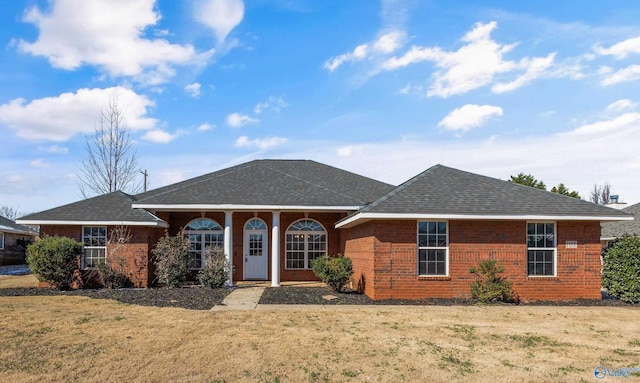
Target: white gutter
<point>353,220</point>
<point>231,207</point>
<point>94,223</point>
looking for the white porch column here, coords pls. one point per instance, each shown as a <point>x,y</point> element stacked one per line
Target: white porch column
<point>275,250</point>
<point>228,243</point>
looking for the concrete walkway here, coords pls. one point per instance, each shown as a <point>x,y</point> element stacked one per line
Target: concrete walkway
<point>242,298</point>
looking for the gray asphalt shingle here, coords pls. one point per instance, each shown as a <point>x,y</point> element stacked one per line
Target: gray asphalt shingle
<point>618,229</point>
<point>8,226</point>
<point>109,207</point>
<point>272,182</point>
<point>444,190</point>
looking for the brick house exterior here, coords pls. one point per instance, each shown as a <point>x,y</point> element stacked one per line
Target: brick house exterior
<point>416,240</point>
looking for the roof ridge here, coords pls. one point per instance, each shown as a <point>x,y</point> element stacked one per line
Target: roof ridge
<point>312,183</point>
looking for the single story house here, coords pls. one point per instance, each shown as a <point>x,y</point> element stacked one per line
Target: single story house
<point>13,241</point>
<point>613,230</point>
<point>416,240</point>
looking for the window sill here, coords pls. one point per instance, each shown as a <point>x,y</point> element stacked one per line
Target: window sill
<point>541,277</point>
<point>433,278</point>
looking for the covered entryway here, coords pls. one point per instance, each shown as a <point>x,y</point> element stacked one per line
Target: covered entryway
<point>255,249</point>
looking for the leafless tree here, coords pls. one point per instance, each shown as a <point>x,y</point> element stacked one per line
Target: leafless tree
<point>600,194</point>
<point>110,162</point>
<point>9,212</point>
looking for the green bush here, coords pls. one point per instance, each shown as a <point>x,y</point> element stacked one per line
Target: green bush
<point>334,271</point>
<point>170,255</point>
<point>489,285</point>
<point>621,271</point>
<point>215,270</point>
<point>55,260</point>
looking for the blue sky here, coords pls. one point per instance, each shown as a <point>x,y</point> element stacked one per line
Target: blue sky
<point>382,88</point>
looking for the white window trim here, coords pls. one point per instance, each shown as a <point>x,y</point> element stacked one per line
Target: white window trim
<point>431,248</point>
<point>106,243</point>
<point>555,249</point>
<point>2,241</point>
<point>201,232</point>
<point>306,249</point>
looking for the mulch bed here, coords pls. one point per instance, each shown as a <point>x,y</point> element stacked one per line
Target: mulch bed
<point>200,298</point>
<point>193,298</point>
<point>316,296</point>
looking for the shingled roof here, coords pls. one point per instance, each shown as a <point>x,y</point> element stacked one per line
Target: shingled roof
<point>269,183</point>
<point>8,226</point>
<point>108,209</point>
<point>611,230</point>
<point>443,192</point>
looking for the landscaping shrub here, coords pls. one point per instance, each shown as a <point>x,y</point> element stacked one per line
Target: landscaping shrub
<point>112,276</point>
<point>621,271</point>
<point>171,253</point>
<point>215,271</point>
<point>55,260</point>
<point>334,271</point>
<point>489,285</point>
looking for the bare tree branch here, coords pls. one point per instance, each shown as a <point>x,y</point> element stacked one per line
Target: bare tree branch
<point>110,163</point>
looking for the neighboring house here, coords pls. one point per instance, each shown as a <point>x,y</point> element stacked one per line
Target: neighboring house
<point>13,241</point>
<point>613,230</point>
<point>417,240</point>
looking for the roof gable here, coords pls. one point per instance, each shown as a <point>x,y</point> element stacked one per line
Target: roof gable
<point>112,208</point>
<point>270,183</point>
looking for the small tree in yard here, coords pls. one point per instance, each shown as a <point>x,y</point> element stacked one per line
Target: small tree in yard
<point>334,271</point>
<point>215,271</point>
<point>489,285</point>
<point>621,271</point>
<point>171,254</point>
<point>55,260</point>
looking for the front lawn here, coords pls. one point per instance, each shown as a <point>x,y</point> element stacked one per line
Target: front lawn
<point>74,338</point>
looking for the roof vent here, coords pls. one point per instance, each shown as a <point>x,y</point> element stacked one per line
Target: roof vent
<point>614,198</point>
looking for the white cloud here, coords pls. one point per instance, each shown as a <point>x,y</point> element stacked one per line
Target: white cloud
<point>54,149</point>
<point>110,35</point>
<point>272,103</point>
<point>349,150</point>
<point>39,163</point>
<point>385,44</point>
<point>630,73</point>
<point>469,116</point>
<point>193,90</point>
<point>159,136</point>
<point>219,15</point>
<point>236,120</point>
<point>627,124</point>
<point>204,127</point>
<point>535,67</point>
<point>621,49</point>
<point>621,105</point>
<point>260,143</point>
<point>473,65</point>
<point>60,118</point>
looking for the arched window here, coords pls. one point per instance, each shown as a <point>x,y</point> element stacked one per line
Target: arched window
<point>202,233</point>
<point>306,240</point>
<point>255,224</point>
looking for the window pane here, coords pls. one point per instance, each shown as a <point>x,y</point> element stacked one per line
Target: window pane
<point>422,228</point>
<point>442,227</point>
<point>431,228</point>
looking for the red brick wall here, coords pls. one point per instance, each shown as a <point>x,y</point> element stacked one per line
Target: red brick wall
<point>394,259</point>
<point>135,254</point>
<point>328,220</point>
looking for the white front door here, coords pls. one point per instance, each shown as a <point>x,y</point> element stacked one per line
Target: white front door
<point>255,254</point>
